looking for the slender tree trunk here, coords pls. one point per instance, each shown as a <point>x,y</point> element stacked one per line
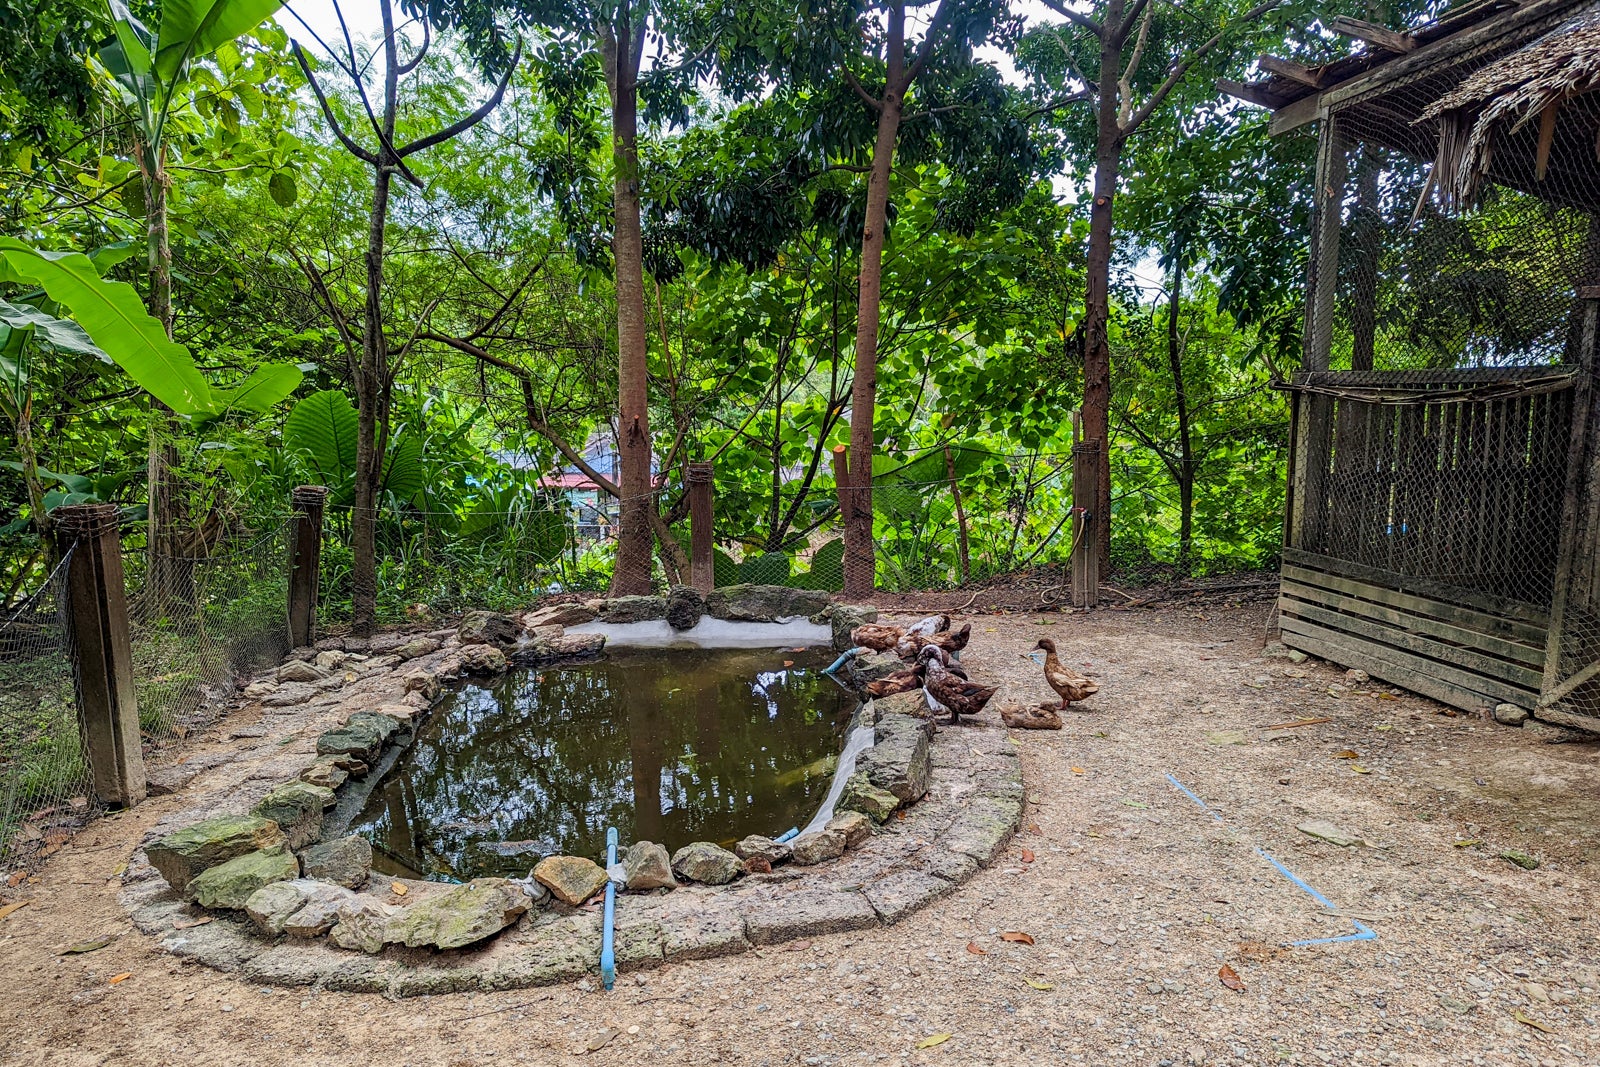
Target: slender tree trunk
<point>163,542</point>
<point>1180,394</point>
<point>634,536</point>
<point>372,416</point>
<point>859,558</point>
<point>1097,295</point>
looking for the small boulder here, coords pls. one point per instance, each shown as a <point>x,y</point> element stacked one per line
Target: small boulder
<point>289,695</point>
<point>911,702</point>
<point>461,916</point>
<point>817,847</point>
<point>764,603</point>
<point>870,667</point>
<point>297,808</point>
<point>424,682</point>
<point>685,606</point>
<point>298,670</point>
<point>185,854</point>
<point>572,879</point>
<point>330,659</point>
<point>634,609</point>
<point>855,827</point>
<point>360,739</point>
<point>257,690</point>
<point>757,847</point>
<point>648,867</point>
<point>705,862</point>
<point>861,795</point>
<point>343,861</point>
<point>1510,715</point>
<point>488,628</point>
<point>320,911</point>
<point>364,923</point>
<point>231,884</point>
<point>326,772</point>
<point>270,906</point>
<point>417,646</point>
<point>482,659</point>
<point>560,615</point>
<point>571,646</point>
<point>900,760</point>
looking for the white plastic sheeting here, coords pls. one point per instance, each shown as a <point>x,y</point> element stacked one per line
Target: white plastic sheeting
<point>710,633</point>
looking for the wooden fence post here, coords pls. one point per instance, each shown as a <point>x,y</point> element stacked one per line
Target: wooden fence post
<point>702,550</point>
<point>1086,460</point>
<point>97,612</point>
<point>305,563</point>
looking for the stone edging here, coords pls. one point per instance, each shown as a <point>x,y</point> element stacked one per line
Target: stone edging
<point>971,805</point>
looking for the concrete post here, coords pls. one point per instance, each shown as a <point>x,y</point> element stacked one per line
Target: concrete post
<point>702,551</point>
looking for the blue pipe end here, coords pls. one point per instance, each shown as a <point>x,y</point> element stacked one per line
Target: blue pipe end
<point>788,835</point>
<point>844,657</point>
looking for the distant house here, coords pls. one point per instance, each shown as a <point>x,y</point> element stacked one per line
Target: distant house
<point>593,512</point>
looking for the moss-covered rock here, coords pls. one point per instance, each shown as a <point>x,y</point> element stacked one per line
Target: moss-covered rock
<point>231,884</point>
<point>184,855</point>
<point>297,808</point>
<point>462,916</point>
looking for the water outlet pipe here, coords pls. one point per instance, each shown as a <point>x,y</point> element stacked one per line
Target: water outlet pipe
<point>608,936</point>
<point>788,835</point>
<point>844,657</point>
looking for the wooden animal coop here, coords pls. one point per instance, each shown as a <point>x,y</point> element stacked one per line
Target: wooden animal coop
<point>1443,525</point>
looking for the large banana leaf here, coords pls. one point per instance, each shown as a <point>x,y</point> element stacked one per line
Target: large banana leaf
<point>193,28</point>
<point>402,467</point>
<point>115,319</point>
<point>324,426</point>
<point>266,386</point>
<point>58,333</point>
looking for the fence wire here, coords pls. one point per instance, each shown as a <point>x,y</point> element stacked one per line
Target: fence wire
<point>45,792</point>
<point>201,623</point>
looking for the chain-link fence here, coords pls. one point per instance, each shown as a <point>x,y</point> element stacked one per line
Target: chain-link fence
<point>201,622</point>
<point>45,791</point>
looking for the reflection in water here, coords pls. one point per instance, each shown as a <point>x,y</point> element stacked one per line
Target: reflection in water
<point>671,746</point>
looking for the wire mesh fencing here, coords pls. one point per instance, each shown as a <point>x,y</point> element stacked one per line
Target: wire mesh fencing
<point>45,792</point>
<point>199,623</point>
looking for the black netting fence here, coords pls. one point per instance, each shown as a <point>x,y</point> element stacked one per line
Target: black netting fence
<point>200,622</point>
<point>45,789</point>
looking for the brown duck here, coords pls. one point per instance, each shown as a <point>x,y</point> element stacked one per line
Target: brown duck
<point>952,641</point>
<point>878,638</point>
<point>945,691</point>
<point>1034,717</point>
<point>1068,683</point>
<point>904,681</point>
<point>927,627</point>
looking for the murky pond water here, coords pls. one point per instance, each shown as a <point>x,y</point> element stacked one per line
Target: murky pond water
<point>672,746</point>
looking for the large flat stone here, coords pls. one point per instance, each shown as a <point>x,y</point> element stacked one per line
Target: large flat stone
<point>981,829</point>
<point>231,885</point>
<point>807,913</point>
<point>903,892</point>
<point>557,949</point>
<point>297,808</point>
<point>764,603</point>
<point>899,761</point>
<point>221,945</point>
<point>634,609</point>
<point>343,861</point>
<point>461,916</point>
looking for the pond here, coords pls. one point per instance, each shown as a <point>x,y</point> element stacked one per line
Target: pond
<point>668,745</point>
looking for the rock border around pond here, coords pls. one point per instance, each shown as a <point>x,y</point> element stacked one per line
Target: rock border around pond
<point>288,905</point>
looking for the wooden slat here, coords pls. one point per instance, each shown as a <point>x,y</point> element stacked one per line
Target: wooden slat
<point>1380,36</point>
<point>1498,608</point>
<point>1423,381</point>
<point>1564,717</point>
<point>1451,685</point>
<point>1528,654</point>
<point>1466,618</point>
<point>1453,655</point>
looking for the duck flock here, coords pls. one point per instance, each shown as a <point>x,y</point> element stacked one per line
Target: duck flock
<point>932,651</point>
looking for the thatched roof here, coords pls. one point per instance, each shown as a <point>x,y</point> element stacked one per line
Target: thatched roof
<point>1500,100</point>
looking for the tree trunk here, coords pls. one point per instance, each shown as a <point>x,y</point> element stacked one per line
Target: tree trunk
<point>632,575</point>
<point>859,558</point>
<point>372,416</point>
<point>163,542</point>
<point>1180,395</point>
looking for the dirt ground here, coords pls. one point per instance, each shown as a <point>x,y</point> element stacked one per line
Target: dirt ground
<point>1134,897</point>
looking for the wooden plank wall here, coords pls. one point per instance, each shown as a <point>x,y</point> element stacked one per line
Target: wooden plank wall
<point>1423,540</point>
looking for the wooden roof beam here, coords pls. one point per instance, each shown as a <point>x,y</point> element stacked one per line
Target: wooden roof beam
<point>1295,72</point>
<point>1252,93</point>
<point>1377,36</point>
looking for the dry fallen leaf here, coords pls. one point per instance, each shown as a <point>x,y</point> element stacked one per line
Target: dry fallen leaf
<point>933,1039</point>
<point>1359,769</point>
<point>602,1039</point>
<point>1345,753</point>
<point>1017,937</point>
<point>1033,828</point>
<point>1468,843</point>
<point>972,947</point>
<point>1528,1020</point>
<point>85,946</point>
<point>802,648</point>
<point>190,924</point>
<point>1299,722</point>
<point>1078,770</point>
<point>1027,855</point>
<point>9,908</point>
<point>16,879</point>
<point>1035,983</point>
<point>123,977</point>
<point>1231,979</point>
<point>788,663</point>
<point>397,889</point>
<point>1256,950</point>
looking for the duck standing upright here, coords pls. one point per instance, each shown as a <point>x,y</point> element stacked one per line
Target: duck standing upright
<point>1068,683</point>
<point>945,691</point>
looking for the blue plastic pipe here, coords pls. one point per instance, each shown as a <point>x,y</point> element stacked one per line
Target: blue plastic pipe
<point>608,937</point>
<point>844,657</point>
<point>788,835</point>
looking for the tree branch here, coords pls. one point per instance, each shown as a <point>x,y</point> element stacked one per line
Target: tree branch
<point>1083,22</point>
<point>1182,67</point>
<point>462,125</point>
<point>327,112</point>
